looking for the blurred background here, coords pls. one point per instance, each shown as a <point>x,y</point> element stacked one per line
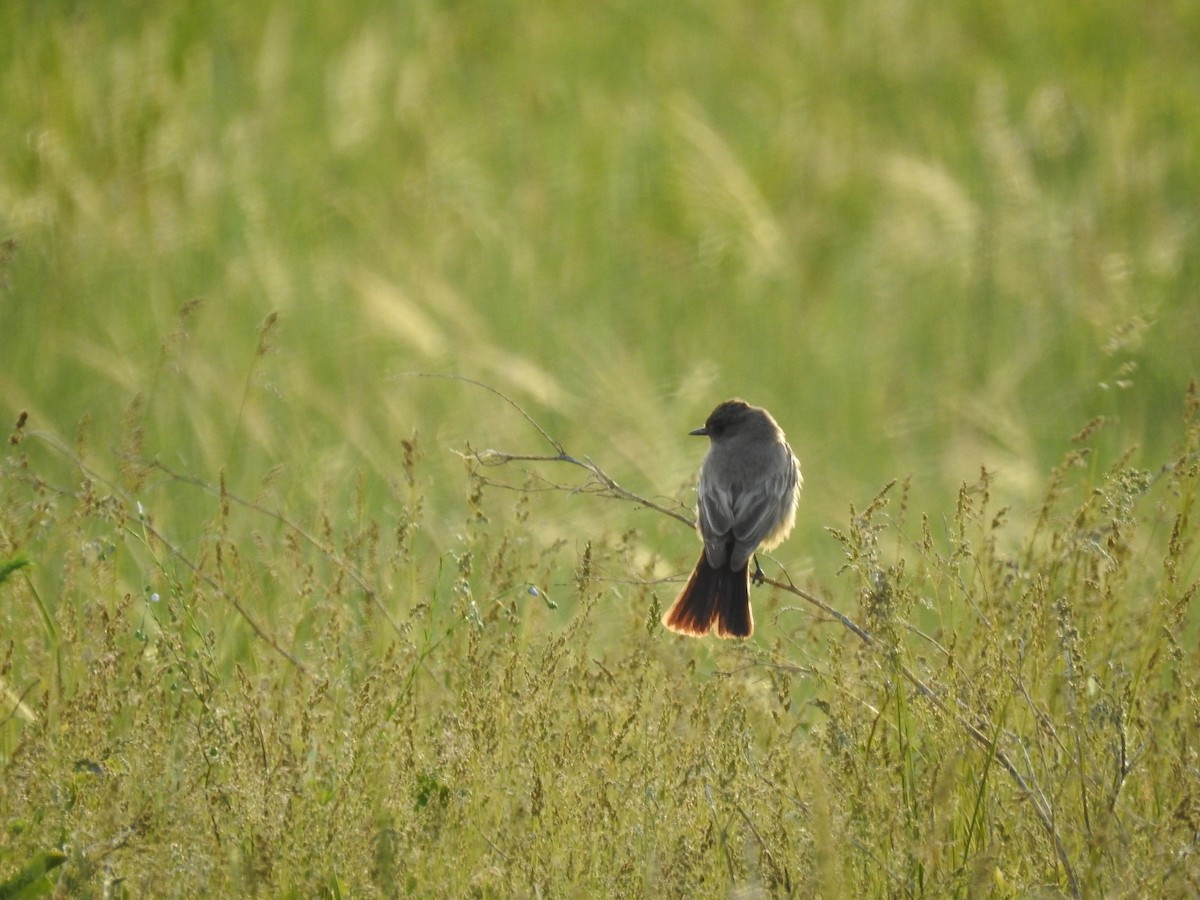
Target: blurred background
<point>928,238</point>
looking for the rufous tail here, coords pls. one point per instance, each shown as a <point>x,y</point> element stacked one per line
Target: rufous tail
<point>717,597</point>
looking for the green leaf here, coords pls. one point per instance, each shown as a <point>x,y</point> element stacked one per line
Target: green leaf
<point>11,565</point>
<point>34,880</point>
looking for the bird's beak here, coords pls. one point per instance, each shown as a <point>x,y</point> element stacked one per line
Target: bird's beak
<point>699,432</point>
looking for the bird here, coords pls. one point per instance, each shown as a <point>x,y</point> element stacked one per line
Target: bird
<point>747,493</point>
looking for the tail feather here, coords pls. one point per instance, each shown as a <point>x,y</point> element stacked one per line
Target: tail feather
<point>734,619</point>
<point>713,596</point>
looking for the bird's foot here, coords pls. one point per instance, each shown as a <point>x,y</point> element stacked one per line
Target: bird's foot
<point>758,576</point>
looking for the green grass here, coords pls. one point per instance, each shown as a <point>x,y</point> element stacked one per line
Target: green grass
<point>264,630</point>
<point>333,706</point>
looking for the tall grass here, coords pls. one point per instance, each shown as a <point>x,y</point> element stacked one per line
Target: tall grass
<point>264,629</point>
<point>330,705</point>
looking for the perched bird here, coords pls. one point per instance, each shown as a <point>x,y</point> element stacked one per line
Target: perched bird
<point>746,498</point>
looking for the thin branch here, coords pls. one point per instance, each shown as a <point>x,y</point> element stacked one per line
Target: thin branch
<point>144,521</point>
<point>230,598</point>
<point>451,376</point>
<point>343,564</point>
<point>605,484</point>
<point>489,458</point>
<point>791,588</point>
<point>1043,813</point>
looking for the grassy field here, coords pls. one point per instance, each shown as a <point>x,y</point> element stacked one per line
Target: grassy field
<point>279,616</point>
